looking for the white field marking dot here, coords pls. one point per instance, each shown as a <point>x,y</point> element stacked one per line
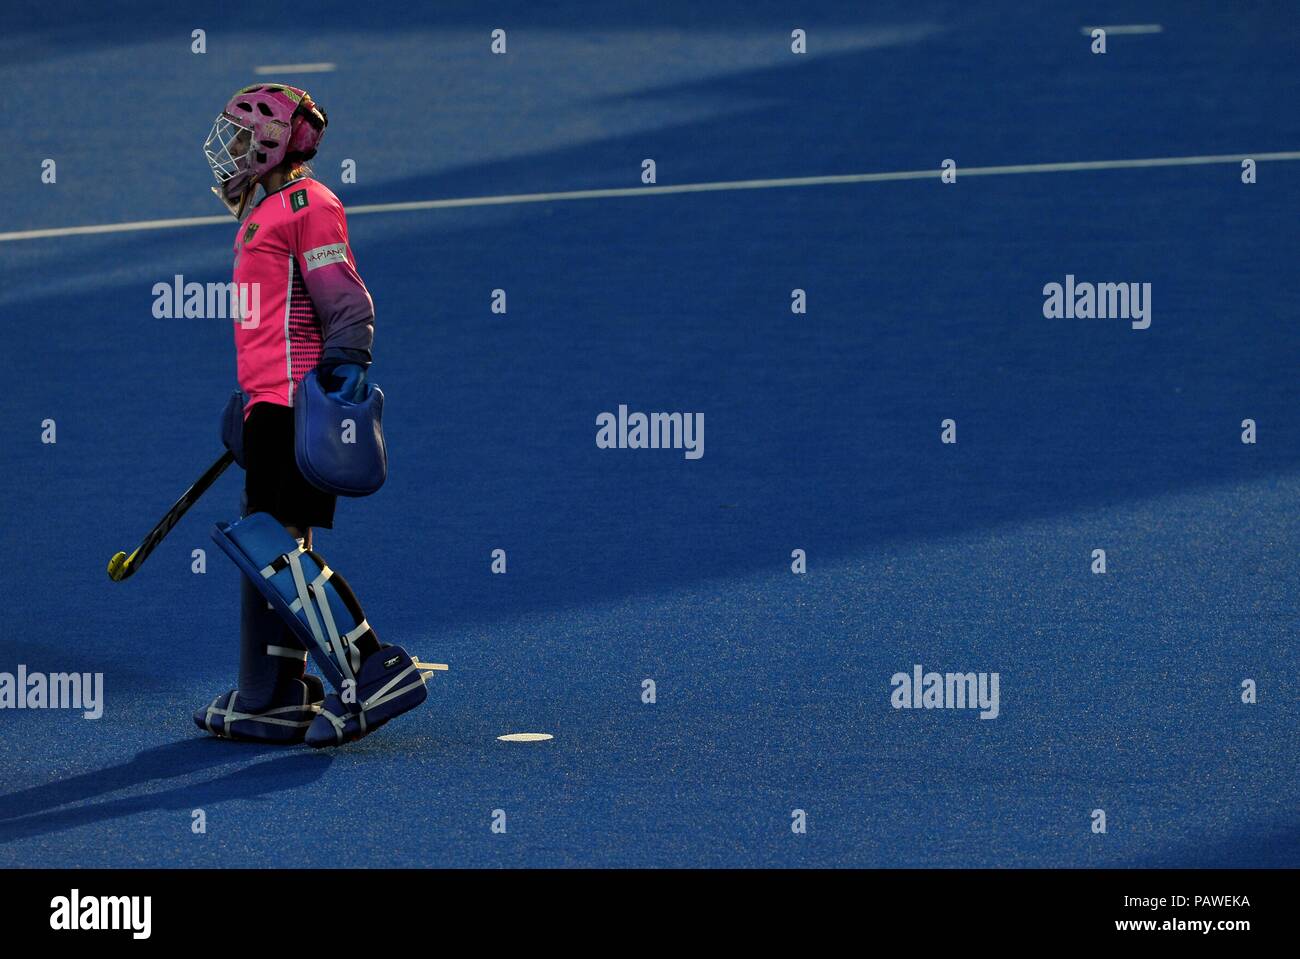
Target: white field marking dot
<point>525,737</point>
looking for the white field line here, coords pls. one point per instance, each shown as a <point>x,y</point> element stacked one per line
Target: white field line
<point>1124,28</point>
<point>669,190</point>
<point>295,68</point>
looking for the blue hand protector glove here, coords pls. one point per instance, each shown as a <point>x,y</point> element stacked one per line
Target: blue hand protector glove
<point>345,383</point>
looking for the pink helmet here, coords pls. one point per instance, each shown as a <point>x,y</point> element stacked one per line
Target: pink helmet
<point>261,127</point>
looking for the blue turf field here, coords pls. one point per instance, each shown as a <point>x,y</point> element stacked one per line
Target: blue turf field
<point>1118,691</point>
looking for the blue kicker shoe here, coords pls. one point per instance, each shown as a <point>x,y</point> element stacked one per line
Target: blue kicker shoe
<point>389,683</point>
<point>286,721</point>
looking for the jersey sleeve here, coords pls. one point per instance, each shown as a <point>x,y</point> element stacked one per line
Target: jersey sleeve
<point>346,311</point>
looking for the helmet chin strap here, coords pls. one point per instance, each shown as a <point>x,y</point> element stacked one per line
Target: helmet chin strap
<point>239,206</point>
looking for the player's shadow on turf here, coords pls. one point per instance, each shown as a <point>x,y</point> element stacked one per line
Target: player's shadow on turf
<point>34,811</point>
<point>168,761</point>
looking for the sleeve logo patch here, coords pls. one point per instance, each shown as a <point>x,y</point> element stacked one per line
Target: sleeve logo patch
<point>325,255</point>
<point>297,200</point>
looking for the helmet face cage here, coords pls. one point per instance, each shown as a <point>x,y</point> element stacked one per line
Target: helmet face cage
<point>227,149</point>
<point>261,127</point>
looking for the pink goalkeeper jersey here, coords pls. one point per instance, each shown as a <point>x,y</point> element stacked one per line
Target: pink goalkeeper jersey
<point>304,299</point>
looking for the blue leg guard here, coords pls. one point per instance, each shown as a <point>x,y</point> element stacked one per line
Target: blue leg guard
<point>322,612</point>
<point>275,701</point>
<point>388,684</point>
<point>270,656</point>
<point>282,719</point>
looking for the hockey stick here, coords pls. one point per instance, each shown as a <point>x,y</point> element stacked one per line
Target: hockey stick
<point>121,566</point>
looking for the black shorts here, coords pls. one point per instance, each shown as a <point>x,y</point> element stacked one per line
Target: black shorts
<point>272,481</point>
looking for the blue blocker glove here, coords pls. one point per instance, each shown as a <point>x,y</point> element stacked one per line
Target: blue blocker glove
<point>345,382</point>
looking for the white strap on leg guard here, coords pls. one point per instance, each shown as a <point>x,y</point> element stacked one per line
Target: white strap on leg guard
<point>344,646</point>
<point>316,603</point>
<point>270,717</point>
<point>383,694</point>
<point>314,606</point>
<point>428,669</point>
